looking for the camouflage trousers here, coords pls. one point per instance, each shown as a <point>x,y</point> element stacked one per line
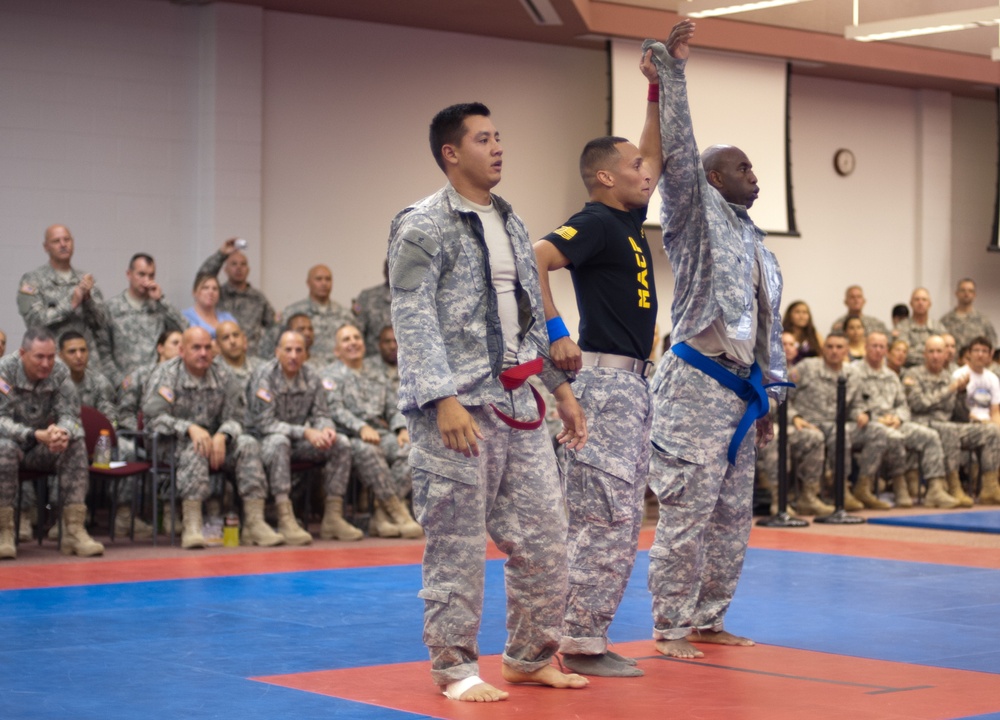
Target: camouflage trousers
<point>875,445</point>
<point>242,459</point>
<point>371,468</point>
<point>983,438</point>
<point>398,459</point>
<point>278,452</point>
<point>805,455</point>
<point>923,450</point>
<point>705,503</point>
<point>70,466</point>
<point>511,493</point>
<point>605,488</point>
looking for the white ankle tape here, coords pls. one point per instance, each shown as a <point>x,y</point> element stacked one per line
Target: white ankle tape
<point>455,690</point>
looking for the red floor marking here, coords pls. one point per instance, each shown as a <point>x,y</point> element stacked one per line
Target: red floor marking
<point>765,682</point>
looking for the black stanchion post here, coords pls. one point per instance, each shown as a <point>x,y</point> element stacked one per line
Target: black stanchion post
<point>782,518</point>
<point>839,515</point>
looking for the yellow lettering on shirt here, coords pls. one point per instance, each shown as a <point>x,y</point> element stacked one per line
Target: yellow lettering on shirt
<point>644,298</point>
<point>642,278</point>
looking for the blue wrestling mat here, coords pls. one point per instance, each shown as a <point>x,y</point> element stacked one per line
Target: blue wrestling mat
<point>985,522</point>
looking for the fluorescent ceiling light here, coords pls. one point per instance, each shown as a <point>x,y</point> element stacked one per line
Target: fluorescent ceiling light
<point>924,24</point>
<point>542,12</point>
<point>710,8</point>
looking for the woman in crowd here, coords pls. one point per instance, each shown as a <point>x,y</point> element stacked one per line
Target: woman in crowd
<point>203,313</point>
<point>854,329</point>
<point>798,321</point>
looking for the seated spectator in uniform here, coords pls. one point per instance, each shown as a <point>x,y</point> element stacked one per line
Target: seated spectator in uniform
<point>133,387</point>
<point>932,392</point>
<point>798,321</point>
<point>205,313</point>
<point>300,323</point>
<point>373,310</point>
<point>854,299</point>
<point>918,326</point>
<point>40,430</point>
<point>250,307</point>
<point>895,360</point>
<point>325,313</point>
<point>363,405</point>
<point>136,317</point>
<point>854,330</point>
<point>203,408</point>
<point>899,313</point>
<point>388,352</point>
<point>59,297</point>
<point>289,415</point>
<point>233,352</point>
<point>96,391</point>
<point>951,355</point>
<point>963,321</point>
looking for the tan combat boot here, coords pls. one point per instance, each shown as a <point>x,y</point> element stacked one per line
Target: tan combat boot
<point>901,487</point>
<point>29,517</point>
<point>937,496</point>
<point>400,514</point>
<point>289,527</point>
<point>76,540</point>
<point>913,484</point>
<point>381,525</point>
<point>334,526</point>
<point>255,530</point>
<point>123,524</point>
<point>191,525</point>
<point>8,550</point>
<point>863,492</point>
<point>990,492</point>
<point>851,503</point>
<point>809,503</point>
<point>956,490</point>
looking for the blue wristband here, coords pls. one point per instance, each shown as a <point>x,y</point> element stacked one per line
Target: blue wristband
<point>557,329</point>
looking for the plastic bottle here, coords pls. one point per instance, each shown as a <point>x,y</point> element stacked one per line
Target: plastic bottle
<point>102,450</point>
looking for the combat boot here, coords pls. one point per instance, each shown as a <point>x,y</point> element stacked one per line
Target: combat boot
<point>76,540</point>
<point>191,537</point>
<point>123,524</point>
<point>29,517</point>
<point>809,503</point>
<point>334,526</point>
<point>863,492</point>
<point>255,530</point>
<point>381,525</point>
<point>8,550</point>
<point>289,527</point>
<point>990,492</point>
<point>913,484</point>
<point>901,488</point>
<point>937,496</point>
<point>400,514</point>
<point>851,503</point>
<point>956,490</point>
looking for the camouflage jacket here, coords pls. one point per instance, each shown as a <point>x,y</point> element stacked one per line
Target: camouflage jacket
<point>373,309</point>
<point>881,392</point>
<point>26,406</point>
<point>174,400</point>
<point>325,321</point>
<point>929,394</point>
<point>96,391</point>
<point>132,333</point>
<point>814,396</point>
<point>279,406</point>
<point>359,398</point>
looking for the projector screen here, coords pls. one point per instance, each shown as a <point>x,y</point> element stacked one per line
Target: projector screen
<point>735,100</point>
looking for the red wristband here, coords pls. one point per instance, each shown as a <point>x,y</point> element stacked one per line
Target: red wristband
<point>654,92</point>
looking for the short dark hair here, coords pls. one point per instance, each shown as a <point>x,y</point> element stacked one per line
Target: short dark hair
<point>288,322</point>
<point>836,334</point>
<point>141,256</point>
<point>448,126</point>
<point>70,335</point>
<point>980,340</point>
<point>900,311</point>
<point>36,334</point>
<point>165,335</point>
<point>597,154</point>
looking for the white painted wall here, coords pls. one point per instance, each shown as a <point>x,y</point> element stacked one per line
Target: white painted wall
<point>163,128</point>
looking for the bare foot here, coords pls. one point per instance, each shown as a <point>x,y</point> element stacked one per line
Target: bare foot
<point>481,692</point>
<point>720,638</point>
<point>679,648</point>
<point>548,675</point>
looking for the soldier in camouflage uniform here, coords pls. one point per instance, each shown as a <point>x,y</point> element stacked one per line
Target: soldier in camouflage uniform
<point>932,392</point>
<point>373,310</point>
<point>233,356</point>
<point>58,297</point>
<point>136,318</point>
<point>884,399</point>
<point>288,412</point>
<point>202,406</point>
<point>325,313</point>
<point>40,430</point>
<point>814,399</point>
<point>247,304</point>
<point>363,405</point>
<point>388,355</point>
<point>854,299</point>
<point>726,344</point>
<point>965,322</point>
<point>466,304</point>
<point>915,329</point>
<point>605,249</point>
<point>805,453</point>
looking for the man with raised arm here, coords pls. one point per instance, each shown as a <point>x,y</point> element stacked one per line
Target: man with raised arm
<point>709,392</point>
